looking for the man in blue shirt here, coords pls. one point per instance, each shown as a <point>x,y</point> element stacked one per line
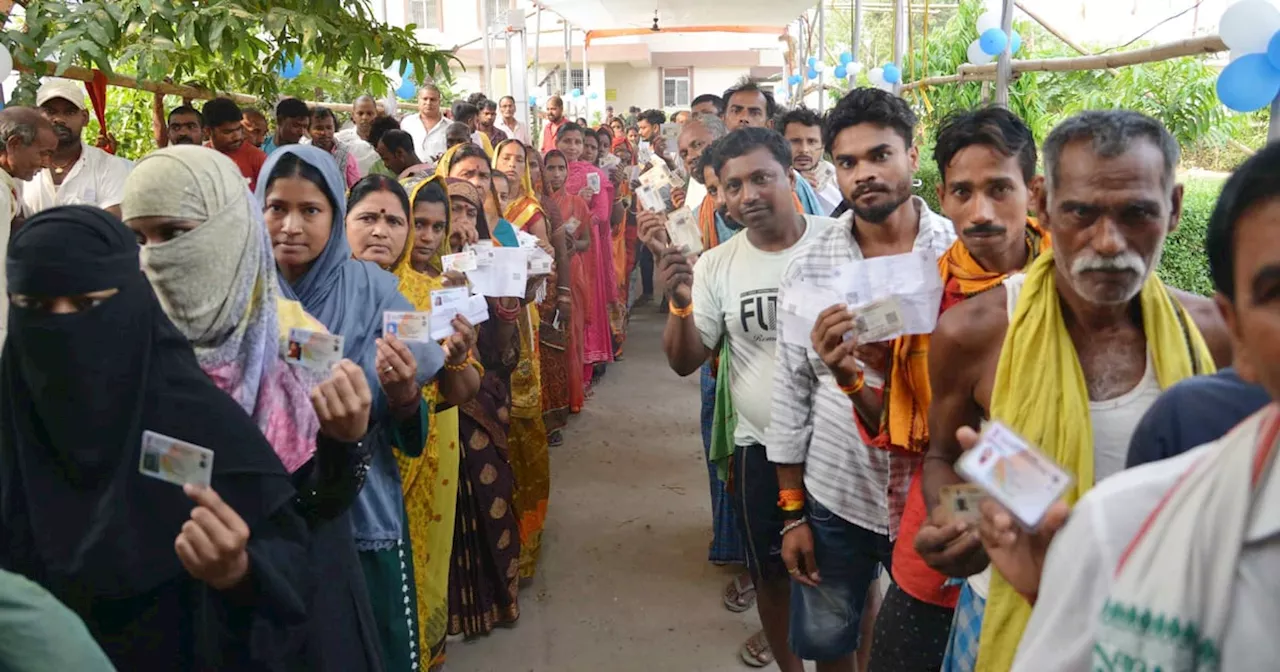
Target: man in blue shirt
<point>1192,413</point>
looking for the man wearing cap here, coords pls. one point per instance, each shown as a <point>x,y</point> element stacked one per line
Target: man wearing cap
<point>78,173</point>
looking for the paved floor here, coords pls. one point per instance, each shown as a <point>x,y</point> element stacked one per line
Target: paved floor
<point>624,583</point>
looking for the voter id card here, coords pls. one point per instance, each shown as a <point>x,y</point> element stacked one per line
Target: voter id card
<point>960,501</point>
<point>878,321</point>
<point>1014,474</point>
<point>461,262</point>
<point>314,350</point>
<point>405,325</point>
<point>175,461</point>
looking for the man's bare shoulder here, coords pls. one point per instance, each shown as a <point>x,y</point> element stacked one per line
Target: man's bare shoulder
<point>1208,319</point>
<point>973,326</point>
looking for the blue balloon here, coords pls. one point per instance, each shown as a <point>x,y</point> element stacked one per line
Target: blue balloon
<point>892,73</point>
<point>841,71</point>
<point>846,58</point>
<point>291,69</point>
<point>993,41</point>
<point>576,93</point>
<point>1015,43</point>
<point>1248,83</point>
<point>796,79</point>
<point>533,101</point>
<point>1273,50</point>
<point>594,95</point>
<point>813,74</point>
<point>813,62</point>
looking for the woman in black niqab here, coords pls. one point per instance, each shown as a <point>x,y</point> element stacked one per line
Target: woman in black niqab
<point>91,362</point>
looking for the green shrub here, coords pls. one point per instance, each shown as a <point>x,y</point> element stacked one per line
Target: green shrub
<point>1183,265</point>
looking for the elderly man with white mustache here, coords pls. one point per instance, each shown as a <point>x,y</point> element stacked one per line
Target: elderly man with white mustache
<point>1070,354</point>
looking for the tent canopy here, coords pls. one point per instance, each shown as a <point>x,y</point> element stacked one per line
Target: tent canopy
<point>597,15</point>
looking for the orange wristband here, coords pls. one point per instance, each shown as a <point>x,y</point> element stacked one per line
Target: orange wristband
<point>791,499</point>
<point>856,387</point>
<point>681,312</point>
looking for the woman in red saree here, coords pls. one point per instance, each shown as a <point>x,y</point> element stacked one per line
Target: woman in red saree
<point>577,227</point>
<point>597,343</point>
<point>556,311</point>
<point>624,247</point>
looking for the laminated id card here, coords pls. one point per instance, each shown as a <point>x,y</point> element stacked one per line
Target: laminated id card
<point>1014,474</point>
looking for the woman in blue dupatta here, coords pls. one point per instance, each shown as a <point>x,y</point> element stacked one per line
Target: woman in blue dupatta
<point>304,204</point>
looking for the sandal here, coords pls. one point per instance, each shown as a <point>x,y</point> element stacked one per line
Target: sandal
<point>756,652</point>
<point>739,596</point>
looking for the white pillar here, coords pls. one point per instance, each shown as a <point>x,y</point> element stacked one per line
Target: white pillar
<point>485,20</point>
<point>568,62</point>
<point>857,29</point>
<point>537,48</point>
<point>1004,66</point>
<point>517,72</point>
<point>586,98</point>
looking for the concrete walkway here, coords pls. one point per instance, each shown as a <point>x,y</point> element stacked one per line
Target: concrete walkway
<point>624,583</point>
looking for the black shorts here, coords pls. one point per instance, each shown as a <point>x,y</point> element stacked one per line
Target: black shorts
<point>755,497</point>
<point>910,635</point>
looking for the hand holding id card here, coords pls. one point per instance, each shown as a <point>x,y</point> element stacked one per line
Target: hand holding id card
<point>175,461</point>
<point>1014,474</point>
<point>314,350</point>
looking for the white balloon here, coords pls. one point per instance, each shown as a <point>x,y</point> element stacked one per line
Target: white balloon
<point>1248,25</point>
<point>6,62</point>
<point>876,75</point>
<point>820,66</point>
<point>977,56</point>
<point>988,20</point>
<point>853,68</point>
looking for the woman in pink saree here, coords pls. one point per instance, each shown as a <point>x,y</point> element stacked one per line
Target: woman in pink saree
<point>597,339</point>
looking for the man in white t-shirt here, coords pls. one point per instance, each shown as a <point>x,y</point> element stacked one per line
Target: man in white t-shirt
<point>730,296</point>
<point>27,142</point>
<point>78,173</point>
<point>427,127</point>
<point>356,137</point>
<point>802,127</point>
<point>507,121</point>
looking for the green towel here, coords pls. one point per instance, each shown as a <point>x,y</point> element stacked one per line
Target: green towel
<point>724,419</point>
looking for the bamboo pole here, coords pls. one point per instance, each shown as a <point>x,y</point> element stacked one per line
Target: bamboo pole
<point>1209,44</point>
<point>169,89</point>
<point>1005,62</point>
<point>1052,31</point>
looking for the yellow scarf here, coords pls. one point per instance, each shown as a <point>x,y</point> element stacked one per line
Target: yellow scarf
<point>1040,393</point>
<point>904,422</point>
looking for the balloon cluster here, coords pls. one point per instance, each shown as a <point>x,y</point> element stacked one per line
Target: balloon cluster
<point>290,69</point>
<point>1251,28</point>
<point>992,41</point>
<point>847,67</point>
<point>885,76</point>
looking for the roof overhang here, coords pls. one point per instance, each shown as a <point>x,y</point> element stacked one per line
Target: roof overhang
<point>677,15</point>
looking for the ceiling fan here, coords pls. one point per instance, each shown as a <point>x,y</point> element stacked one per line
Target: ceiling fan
<point>655,27</point>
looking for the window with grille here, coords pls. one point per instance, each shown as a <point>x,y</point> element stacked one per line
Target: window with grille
<point>425,14</point>
<point>675,87</point>
<point>576,81</point>
<point>497,11</point>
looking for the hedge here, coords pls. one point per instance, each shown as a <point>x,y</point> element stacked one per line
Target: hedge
<point>1183,265</point>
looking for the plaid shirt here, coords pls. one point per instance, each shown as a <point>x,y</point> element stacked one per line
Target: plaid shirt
<point>811,420</point>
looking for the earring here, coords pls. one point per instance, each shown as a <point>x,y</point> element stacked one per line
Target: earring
<point>916,183</point>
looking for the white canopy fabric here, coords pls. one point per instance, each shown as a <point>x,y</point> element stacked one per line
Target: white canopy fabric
<point>623,14</point>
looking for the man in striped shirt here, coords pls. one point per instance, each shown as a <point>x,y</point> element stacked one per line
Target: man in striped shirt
<point>853,493</point>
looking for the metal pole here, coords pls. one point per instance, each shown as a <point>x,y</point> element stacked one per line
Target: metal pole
<point>537,51</point>
<point>517,69</point>
<point>857,29</point>
<point>568,61</point>
<point>1005,66</point>
<point>901,16</point>
<point>586,73</point>
<point>485,19</point>
<point>803,65</point>
<point>822,55</point>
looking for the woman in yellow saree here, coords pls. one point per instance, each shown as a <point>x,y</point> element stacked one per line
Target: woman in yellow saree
<point>528,435</point>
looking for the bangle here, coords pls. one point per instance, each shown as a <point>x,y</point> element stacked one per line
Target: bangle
<point>791,499</point>
<point>856,387</point>
<point>681,313</point>
<point>462,366</point>
<point>802,520</point>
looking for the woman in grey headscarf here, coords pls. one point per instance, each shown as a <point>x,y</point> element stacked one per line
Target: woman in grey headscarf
<point>206,252</point>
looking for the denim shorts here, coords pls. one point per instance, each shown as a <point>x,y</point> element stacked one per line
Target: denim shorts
<point>826,620</point>
<point>755,496</point>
